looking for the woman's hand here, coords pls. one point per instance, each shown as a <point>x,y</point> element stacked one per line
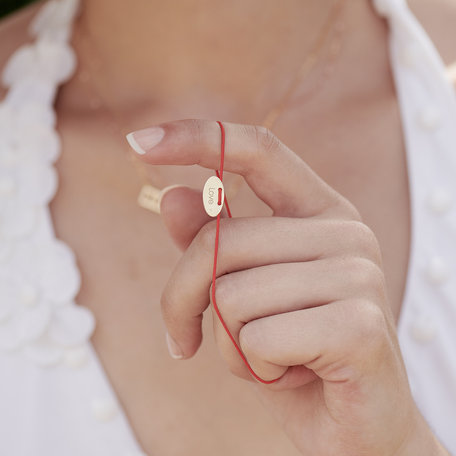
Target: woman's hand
<point>303,294</point>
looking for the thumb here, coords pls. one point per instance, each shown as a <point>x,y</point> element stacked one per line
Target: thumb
<point>183,213</point>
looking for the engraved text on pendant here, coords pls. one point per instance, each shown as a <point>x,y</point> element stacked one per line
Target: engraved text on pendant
<point>211,196</point>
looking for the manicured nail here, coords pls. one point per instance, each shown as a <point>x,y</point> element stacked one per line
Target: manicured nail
<point>143,140</point>
<point>174,349</point>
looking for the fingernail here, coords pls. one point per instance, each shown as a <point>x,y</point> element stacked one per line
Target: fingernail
<point>174,349</point>
<point>143,140</point>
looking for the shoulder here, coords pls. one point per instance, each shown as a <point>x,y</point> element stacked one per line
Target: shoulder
<point>14,33</point>
<point>438,17</point>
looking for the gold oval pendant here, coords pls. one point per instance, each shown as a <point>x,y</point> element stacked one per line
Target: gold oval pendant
<point>211,196</point>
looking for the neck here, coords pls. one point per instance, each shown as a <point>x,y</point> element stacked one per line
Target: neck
<point>148,53</point>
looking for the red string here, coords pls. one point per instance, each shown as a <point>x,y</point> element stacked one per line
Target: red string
<point>214,273</point>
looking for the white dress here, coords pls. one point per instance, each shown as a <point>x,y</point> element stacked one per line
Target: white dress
<point>55,398</point>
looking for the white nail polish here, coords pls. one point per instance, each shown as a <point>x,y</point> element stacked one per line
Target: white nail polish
<point>174,350</point>
<point>134,145</point>
<point>144,140</point>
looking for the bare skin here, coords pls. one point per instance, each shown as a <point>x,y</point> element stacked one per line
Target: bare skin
<point>125,254</point>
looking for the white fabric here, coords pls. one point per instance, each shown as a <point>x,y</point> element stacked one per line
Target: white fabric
<point>55,397</point>
<point>427,323</point>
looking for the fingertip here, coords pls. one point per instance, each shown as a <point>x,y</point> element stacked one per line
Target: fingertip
<point>175,351</point>
<point>142,141</point>
<point>293,377</point>
<point>134,144</point>
<point>185,344</point>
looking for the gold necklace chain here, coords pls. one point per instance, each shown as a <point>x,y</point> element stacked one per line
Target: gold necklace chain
<point>149,195</point>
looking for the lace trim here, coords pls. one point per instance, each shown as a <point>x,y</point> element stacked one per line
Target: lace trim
<point>39,277</point>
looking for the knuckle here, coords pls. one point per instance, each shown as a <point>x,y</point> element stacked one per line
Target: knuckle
<point>372,328</point>
<point>195,129</point>
<point>205,238</point>
<point>344,209</point>
<point>262,142</point>
<point>352,212</point>
<point>365,274</point>
<point>266,141</point>
<point>365,240</point>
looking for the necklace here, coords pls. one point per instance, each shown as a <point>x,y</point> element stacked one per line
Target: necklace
<point>150,194</point>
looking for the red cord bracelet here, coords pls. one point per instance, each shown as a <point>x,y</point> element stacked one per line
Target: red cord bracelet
<point>214,273</point>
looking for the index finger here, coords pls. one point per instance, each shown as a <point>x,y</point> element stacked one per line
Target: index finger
<point>275,173</point>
